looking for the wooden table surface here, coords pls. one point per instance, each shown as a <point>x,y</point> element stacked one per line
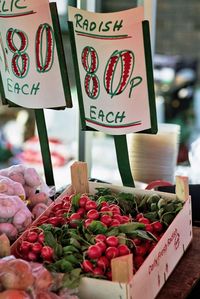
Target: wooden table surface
<point>186,274</point>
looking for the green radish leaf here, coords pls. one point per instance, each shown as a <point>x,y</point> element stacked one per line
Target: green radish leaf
<point>144,235</point>
<point>84,247</point>
<point>69,249</point>
<point>143,202</point>
<point>72,280</point>
<point>58,250</point>
<point>103,191</point>
<point>97,227</point>
<point>72,259</point>
<point>49,239</point>
<point>46,227</point>
<point>127,203</point>
<point>112,231</point>
<point>65,266</point>
<point>168,217</point>
<point>75,201</point>
<point>64,242</point>
<point>153,216</point>
<point>129,228</point>
<point>108,198</point>
<point>75,243</point>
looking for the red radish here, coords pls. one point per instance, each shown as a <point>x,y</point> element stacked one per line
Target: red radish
<point>102,246</point>
<point>138,216</point>
<point>55,221</point>
<point>115,222</point>
<point>61,212</point>
<point>32,256</point>
<point>36,247</point>
<point>112,241</point>
<point>147,245</point>
<point>125,219</point>
<point>123,249</point>
<point>98,271</point>
<point>94,252</point>
<point>149,228</point>
<point>137,241</point>
<point>160,236</point>
<point>113,205</point>
<point>41,237</point>
<point>82,201</point>
<point>47,253</point>
<point>42,220</point>
<point>81,211</point>
<point>138,261</point>
<point>105,209</point>
<point>67,198</point>
<point>87,266</point>
<point>157,226</point>
<point>140,250</point>
<point>87,222</point>
<point>115,210</point>
<point>90,204</point>
<point>57,207</point>
<point>25,246</point>
<point>103,263</point>
<point>32,236</point>
<point>153,245</point>
<point>67,205</point>
<point>93,214</point>
<point>100,238</point>
<point>106,219</point>
<point>104,204</point>
<point>144,220</point>
<point>111,252</point>
<point>109,275</point>
<point>73,219</point>
<point>118,217</point>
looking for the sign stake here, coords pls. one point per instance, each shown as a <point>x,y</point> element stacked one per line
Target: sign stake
<point>123,160</point>
<point>44,145</point>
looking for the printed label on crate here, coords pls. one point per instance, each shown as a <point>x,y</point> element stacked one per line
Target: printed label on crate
<point>110,58</point>
<point>29,63</point>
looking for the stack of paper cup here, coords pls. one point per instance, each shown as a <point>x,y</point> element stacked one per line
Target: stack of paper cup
<point>154,157</point>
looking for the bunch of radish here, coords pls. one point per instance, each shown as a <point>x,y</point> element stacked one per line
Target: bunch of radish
<point>83,233</point>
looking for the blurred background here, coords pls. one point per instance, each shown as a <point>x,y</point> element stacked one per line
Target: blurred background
<point>175,31</point>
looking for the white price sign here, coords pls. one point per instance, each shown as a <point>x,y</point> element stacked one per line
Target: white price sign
<point>29,64</point>
<point>112,70</point>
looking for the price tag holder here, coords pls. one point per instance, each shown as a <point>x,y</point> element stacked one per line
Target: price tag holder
<point>114,76</point>
<point>32,61</point>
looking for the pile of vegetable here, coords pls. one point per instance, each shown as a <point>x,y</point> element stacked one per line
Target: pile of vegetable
<point>82,233</point>
<point>23,197</point>
<point>20,279</point>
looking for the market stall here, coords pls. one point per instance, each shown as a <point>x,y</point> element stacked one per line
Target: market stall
<point>94,239</point>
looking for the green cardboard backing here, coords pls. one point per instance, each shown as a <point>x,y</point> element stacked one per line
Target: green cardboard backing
<point>123,160</point>
<point>150,79</point>
<point>61,55</point>
<point>77,76</point>
<point>44,145</point>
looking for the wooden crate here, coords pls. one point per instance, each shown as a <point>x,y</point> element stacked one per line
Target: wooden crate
<point>157,267</point>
